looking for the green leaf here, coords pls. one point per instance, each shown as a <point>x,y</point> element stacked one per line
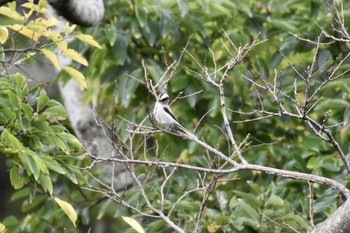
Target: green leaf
<point>275,201</point>
<point>35,204</point>
<point>314,162</point>
<point>55,111</point>
<point>295,221</point>
<point>154,69</point>
<point>128,86</point>
<point>42,100</point>
<point>10,140</point>
<point>28,111</point>
<point>103,209</point>
<point>21,194</point>
<point>141,15</point>
<point>11,221</point>
<point>31,162</point>
<point>68,210</point>
<point>249,198</point>
<point>17,181</point>
<point>283,25</point>
<point>14,101</point>
<point>330,165</point>
<point>46,183</point>
<point>25,123</point>
<point>53,165</point>
<point>134,224</point>
<point>332,104</point>
<point>250,211</point>
<point>184,8</point>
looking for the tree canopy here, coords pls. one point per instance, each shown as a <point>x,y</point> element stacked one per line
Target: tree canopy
<point>262,86</point>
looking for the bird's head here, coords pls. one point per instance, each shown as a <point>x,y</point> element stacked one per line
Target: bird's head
<point>164,98</point>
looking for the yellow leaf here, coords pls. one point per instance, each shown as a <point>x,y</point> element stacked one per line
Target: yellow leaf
<point>212,228</point>
<point>37,28</point>
<point>89,39</point>
<point>69,28</point>
<point>62,44</point>
<point>36,7</point>
<point>42,3</point>
<point>51,22</point>
<point>67,209</point>
<point>25,31</point>
<point>11,14</point>
<point>12,5</point>
<point>134,224</point>
<point>57,38</point>
<point>52,57</point>
<point>77,75</point>
<point>4,33</point>
<point>29,5</point>
<point>2,228</point>
<point>71,53</point>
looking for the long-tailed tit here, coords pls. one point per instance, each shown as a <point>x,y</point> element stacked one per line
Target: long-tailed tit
<point>164,115</point>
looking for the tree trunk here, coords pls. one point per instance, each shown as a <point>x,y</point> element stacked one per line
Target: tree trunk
<point>338,222</point>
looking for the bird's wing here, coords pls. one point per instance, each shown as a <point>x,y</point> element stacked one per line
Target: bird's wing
<point>167,110</point>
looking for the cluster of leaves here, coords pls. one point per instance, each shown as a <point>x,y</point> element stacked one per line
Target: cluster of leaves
<point>39,151</point>
<point>156,32</point>
<point>45,35</point>
<point>37,148</point>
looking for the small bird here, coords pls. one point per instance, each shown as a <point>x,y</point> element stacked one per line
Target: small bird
<point>164,115</point>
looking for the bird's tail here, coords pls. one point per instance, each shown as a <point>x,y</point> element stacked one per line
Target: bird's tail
<point>185,130</point>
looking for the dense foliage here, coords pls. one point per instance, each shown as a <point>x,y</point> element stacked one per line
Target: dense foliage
<point>155,33</point>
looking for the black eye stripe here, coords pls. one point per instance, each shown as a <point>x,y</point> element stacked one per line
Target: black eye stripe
<point>164,99</point>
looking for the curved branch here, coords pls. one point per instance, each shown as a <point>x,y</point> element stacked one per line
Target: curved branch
<point>238,167</point>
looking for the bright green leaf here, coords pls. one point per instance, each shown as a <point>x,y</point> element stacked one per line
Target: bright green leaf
<point>275,201</point>
<point>53,165</point>
<point>31,161</point>
<point>15,177</point>
<point>10,140</point>
<point>134,224</point>
<point>42,100</point>
<point>46,183</point>
<point>68,210</point>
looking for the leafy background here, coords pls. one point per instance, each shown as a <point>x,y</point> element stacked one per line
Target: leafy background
<point>156,32</point>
